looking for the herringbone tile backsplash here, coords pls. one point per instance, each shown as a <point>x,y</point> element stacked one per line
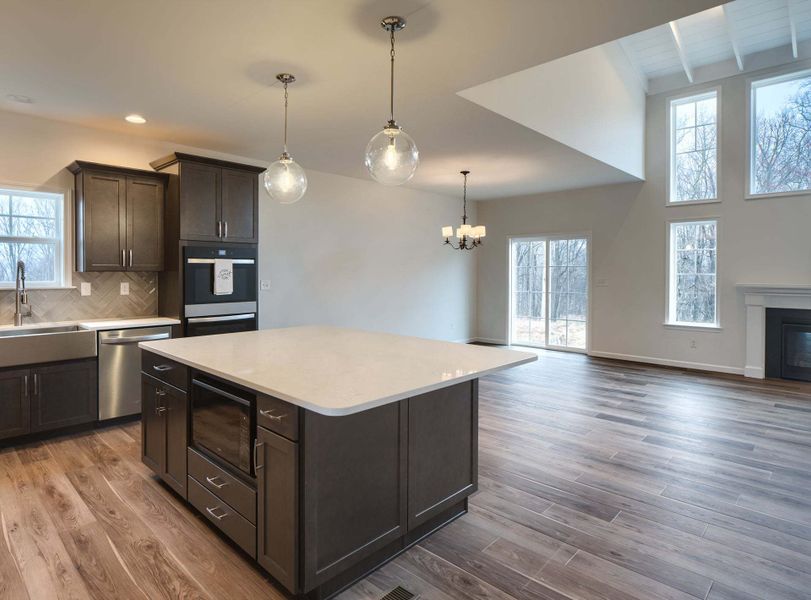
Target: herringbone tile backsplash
<point>105,300</point>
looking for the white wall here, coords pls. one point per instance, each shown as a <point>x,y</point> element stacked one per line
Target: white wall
<point>760,241</point>
<point>351,252</point>
<point>592,101</point>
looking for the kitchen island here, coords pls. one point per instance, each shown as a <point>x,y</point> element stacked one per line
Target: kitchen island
<point>321,452</point>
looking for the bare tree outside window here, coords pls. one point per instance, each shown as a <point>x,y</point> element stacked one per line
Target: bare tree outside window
<point>781,135</point>
<point>694,148</point>
<point>31,231</point>
<point>693,272</point>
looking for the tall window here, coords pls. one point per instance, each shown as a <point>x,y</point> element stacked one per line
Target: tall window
<point>31,230</point>
<point>694,148</point>
<point>780,159</point>
<point>692,297</point>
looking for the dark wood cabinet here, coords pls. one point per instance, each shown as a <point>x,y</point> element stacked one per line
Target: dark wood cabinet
<point>63,394</point>
<point>213,200</point>
<point>119,218</point>
<point>442,423</point>
<point>277,519</point>
<point>164,432</point>
<point>15,415</point>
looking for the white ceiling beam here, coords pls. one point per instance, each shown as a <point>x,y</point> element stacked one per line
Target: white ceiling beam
<point>792,24</point>
<point>674,29</point>
<point>631,57</point>
<point>733,37</point>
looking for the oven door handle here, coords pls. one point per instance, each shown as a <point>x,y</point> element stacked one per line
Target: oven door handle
<point>242,317</point>
<point>210,261</point>
<point>220,392</point>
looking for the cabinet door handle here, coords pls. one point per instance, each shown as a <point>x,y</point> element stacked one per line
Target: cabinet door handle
<point>271,416</point>
<point>213,481</point>
<point>130,257</point>
<point>225,235</point>
<point>160,407</point>
<point>215,515</point>
<point>123,258</point>
<point>36,384</point>
<point>25,385</point>
<point>219,229</point>
<point>256,445</point>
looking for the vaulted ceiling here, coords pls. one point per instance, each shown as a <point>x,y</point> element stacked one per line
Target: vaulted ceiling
<point>203,75</point>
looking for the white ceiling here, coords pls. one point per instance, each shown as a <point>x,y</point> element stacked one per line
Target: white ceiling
<point>713,36</point>
<point>201,72</point>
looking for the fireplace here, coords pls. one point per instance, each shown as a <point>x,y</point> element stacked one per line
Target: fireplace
<point>788,343</point>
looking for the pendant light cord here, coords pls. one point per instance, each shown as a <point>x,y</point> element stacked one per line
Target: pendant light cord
<point>391,97</point>
<point>464,200</point>
<point>285,118</point>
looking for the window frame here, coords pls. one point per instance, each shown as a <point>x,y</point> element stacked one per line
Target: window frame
<point>775,76</point>
<point>671,144</point>
<point>670,273</point>
<point>63,250</point>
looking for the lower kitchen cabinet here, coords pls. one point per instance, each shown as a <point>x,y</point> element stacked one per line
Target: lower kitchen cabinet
<point>63,394</point>
<point>15,402</point>
<point>47,397</point>
<point>277,507</point>
<point>164,431</point>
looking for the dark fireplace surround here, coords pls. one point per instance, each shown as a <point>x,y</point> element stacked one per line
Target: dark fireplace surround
<point>788,343</point>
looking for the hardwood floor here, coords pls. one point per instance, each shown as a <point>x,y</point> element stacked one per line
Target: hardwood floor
<point>598,480</point>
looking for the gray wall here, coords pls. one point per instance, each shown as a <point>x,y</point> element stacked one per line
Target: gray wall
<point>760,241</point>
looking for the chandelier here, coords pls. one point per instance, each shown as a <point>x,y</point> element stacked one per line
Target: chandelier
<point>469,236</point>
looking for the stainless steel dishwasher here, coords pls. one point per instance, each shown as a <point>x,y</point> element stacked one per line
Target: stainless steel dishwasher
<point>120,369</point>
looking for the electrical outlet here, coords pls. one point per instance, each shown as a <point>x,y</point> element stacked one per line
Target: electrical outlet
<point>125,288</point>
<point>264,284</point>
<point>693,344</point>
<point>85,288</point>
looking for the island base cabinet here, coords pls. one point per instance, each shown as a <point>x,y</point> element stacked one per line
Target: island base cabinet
<point>164,432</point>
<point>277,508</point>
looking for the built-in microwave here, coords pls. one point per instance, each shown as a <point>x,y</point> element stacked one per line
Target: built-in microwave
<point>223,423</point>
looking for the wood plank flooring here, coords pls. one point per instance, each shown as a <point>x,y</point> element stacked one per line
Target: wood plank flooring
<point>598,480</point>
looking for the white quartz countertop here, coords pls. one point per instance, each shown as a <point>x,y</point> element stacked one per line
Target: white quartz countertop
<point>106,324</point>
<point>335,371</point>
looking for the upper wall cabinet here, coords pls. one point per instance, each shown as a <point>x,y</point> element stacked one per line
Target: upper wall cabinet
<point>212,200</point>
<point>119,218</point>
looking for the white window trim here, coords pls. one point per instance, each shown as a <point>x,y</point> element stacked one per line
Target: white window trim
<point>64,250</point>
<point>775,76</point>
<point>589,295</point>
<point>671,154</point>
<point>670,277</point>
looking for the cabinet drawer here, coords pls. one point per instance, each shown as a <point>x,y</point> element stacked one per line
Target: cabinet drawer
<point>223,516</point>
<point>217,481</point>
<point>164,369</point>
<point>278,416</point>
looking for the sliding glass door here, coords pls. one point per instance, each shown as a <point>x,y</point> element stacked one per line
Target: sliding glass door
<point>549,292</point>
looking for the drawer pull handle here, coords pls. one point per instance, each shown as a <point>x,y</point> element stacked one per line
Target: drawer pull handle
<point>162,368</point>
<point>215,515</point>
<point>213,481</point>
<point>271,416</point>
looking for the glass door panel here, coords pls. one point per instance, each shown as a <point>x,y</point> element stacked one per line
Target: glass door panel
<point>549,292</point>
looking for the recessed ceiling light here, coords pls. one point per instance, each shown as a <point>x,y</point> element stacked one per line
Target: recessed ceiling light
<point>135,119</point>
<point>20,98</point>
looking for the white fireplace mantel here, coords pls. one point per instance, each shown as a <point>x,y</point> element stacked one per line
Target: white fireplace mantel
<point>759,297</point>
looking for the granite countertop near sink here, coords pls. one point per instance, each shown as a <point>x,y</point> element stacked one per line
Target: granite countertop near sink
<point>106,324</point>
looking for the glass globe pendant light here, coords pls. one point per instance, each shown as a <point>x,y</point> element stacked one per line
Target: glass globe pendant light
<point>391,155</point>
<point>285,180</point>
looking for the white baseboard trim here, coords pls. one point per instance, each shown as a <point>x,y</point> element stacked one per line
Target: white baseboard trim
<point>670,363</point>
<point>490,341</point>
<point>465,340</point>
<point>756,372</point>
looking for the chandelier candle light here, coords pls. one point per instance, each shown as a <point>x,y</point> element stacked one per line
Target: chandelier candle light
<point>391,155</point>
<point>469,236</point>
<point>285,180</point>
